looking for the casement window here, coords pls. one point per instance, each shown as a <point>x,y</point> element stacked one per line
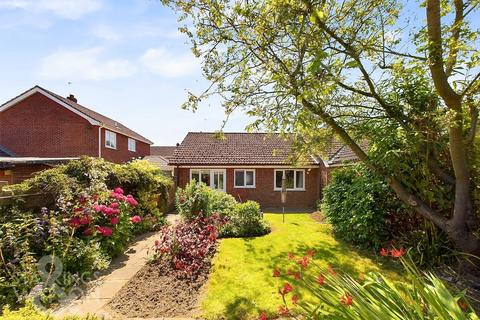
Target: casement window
<point>132,145</point>
<point>244,178</point>
<point>110,139</point>
<point>294,179</point>
<point>214,178</point>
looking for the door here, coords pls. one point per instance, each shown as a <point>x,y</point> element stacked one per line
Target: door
<point>218,181</point>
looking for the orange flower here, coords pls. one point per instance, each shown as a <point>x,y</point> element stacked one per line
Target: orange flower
<point>320,279</point>
<point>291,256</point>
<point>294,299</point>
<point>303,262</point>
<point>384,252</point>
<point>310,253</point>
<point>287,287</point>
<point>462,304</point>
<point>283,310</point>
<point>297,276</point>
<point>398,253</point>
<point>346,299</point>
<point>331,271</point>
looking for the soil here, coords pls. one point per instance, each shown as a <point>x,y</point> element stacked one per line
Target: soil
<point>155,291</point>
<point>318,216</point>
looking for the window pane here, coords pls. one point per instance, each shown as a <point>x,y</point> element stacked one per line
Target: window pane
<point>249,178</point>
<point>289,174</point>
<point>278,179</point>
<point>239,178</point>
<point>205,178</point>
<point>220,181</point>
<point>299,181</point>
<point>195,176</point>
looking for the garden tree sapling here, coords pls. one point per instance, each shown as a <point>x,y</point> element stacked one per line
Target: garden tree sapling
<point>367,70</point>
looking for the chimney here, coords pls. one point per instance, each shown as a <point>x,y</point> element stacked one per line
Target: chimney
<point>71,97</point>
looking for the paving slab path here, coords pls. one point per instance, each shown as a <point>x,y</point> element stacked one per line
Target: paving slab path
<point>100,291</point>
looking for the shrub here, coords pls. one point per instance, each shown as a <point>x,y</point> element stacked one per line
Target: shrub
<point>29,312</point>
<point>242,219</point>
<point>335,295</point>
<point>359,206</point>
<point>245,220</point>
<point>187,245</point>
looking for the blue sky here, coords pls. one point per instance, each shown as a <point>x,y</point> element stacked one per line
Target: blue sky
<point>124,59</point>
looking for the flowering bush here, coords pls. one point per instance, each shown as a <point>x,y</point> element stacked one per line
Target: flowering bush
<point>335,295</point>
<point>187,245</point>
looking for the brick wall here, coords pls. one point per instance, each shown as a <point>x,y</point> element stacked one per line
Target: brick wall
<point>6,175</point>
<point>263,193</point>
<point>39,127</point>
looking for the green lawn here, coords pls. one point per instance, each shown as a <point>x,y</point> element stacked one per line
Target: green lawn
<point>241,282</point>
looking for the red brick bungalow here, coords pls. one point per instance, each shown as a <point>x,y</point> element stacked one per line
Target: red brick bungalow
<point>250,166</point>
<point>40,128</point>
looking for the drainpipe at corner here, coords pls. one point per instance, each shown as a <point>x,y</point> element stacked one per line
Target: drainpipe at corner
<point>99,141</point>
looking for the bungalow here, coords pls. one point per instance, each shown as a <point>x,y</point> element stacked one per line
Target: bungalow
<point>250,166</point>
<point>40,128</point>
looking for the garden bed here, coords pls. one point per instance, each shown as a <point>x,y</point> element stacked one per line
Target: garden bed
<point>156,291</point>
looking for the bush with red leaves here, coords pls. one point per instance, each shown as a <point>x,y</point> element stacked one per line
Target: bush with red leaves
<point>188,245</point>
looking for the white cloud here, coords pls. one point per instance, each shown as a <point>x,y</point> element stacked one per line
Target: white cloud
<point>68,9</point>
<point>84,64</point>
<point>170,64</point>
<point>106,32</point>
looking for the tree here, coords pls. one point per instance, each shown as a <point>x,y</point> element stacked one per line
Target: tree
<point>367,70</point>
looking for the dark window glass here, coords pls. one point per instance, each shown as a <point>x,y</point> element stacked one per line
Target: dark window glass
<point>239,178</point>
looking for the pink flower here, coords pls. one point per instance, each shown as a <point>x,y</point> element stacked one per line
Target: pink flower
<point>384,252</point>
<point>108,211</point>
<point>98,207</point>
<point>287,287</point>
<point>303,262</point>
<point>320,279</point>
<point>131,201</point>
<point>118,190</point>
<point>263,316</point>
<point>290,256</point>
<point>135,219</point>
<point>114,205</point>
<point>105,231</point>
<point>86,219</point>
<point>295,299</point>
<point>114,220</point>
<point>398,253</point>
<point>88,232</point>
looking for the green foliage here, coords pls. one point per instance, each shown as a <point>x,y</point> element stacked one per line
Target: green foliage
<point>340,296</point>
<point>358,205</point>
<point>243,219</point>
<point>476,173</point>
<point>31,313</point>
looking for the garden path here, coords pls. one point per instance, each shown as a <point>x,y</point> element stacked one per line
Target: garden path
<point>100,291</point>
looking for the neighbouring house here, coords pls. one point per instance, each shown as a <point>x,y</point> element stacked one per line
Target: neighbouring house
<point>40,128</point>
<point>250,166</point>
<point>160,156</point>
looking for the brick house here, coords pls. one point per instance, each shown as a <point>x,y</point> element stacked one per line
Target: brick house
<point>39,124</point>
<point>250,166</point>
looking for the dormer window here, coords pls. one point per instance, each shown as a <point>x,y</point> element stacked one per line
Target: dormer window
<point>110,139</point>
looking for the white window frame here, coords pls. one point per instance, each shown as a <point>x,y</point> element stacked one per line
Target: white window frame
<point>110,135</point>
<point>132,145</point>
<point>244,179</point>
<point>212,172</point>
<point>294,179</point>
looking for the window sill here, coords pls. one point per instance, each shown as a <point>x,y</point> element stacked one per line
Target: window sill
<point>244,187</point>
<point>110,148</point>
<point>290,190</point>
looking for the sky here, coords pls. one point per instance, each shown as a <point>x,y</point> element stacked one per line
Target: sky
<point>125,59</point>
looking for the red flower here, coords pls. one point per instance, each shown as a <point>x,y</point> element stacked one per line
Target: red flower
<point>88,232</point>
<point>398,253</point>
<point>105,231</point>
<point>310,253</point>
<point>320,279</point>
<point>331,271</point>
<point>291,256</point>
<point>346,299</point>
<point>85,219</point>
<point>78,210</point>
<point>462,304</point>
<point>287,287</point>
<point>297,276</point>
<point>384,252</point>
<point>135,219</point>
<point>276,272</point>
<point>263,316</point>
<point>118,190</point>
<point>294,299</point>
<point>303,262</point>
<point>75,222</point>
<point>114,220</point>
<point>283,310</point>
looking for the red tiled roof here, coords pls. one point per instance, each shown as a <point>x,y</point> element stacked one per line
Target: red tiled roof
<point>164,151</point>
<point>341,153</point>
<point>205,148</point>
<point>103,120</point>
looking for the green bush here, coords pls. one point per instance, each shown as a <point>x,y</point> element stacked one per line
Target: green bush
<point>29,312</point>
<point>359,205</point>
<point>244,219</point>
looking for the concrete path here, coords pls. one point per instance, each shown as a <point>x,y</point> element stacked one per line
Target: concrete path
<point>99,292</point>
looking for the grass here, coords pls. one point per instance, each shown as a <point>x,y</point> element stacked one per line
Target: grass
<point>241,283</point>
